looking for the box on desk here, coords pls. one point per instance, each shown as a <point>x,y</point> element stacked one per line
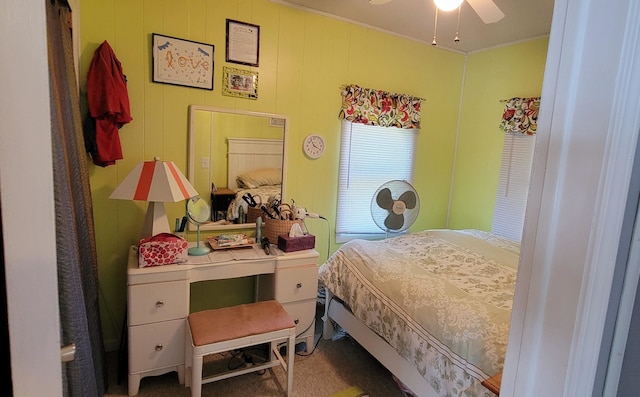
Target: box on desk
<point>290,244</point>
<point>162,249</point>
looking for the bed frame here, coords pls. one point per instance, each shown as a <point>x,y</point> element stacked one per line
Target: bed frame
<point>245,154</point>
<point>379,348</point>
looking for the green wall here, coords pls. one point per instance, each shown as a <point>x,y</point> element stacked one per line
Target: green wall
<point>491,76</point>
<point>304,59</point>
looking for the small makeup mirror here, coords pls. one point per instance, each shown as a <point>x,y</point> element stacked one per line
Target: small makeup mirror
<point>198,212</point>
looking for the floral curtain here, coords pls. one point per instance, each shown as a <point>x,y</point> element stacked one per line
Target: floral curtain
<point>521,115</point>
<point>375,107</point>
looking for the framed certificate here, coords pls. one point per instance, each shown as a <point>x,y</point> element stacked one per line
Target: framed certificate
<point>243,43</point>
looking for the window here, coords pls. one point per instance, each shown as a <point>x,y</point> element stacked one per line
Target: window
<point>513,185</point>
<point>369,157</point>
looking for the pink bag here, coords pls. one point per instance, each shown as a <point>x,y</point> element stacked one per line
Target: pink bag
<point>162,249</point>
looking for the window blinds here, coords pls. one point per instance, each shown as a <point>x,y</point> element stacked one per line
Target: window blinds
<point>513,185</point>
<point>369,157</point>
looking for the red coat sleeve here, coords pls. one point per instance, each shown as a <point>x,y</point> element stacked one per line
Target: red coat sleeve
<point>108,102</point>
<point>107,87</point>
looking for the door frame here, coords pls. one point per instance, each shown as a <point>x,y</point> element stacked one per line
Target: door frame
<point>26,193</point>
<point>587,136</point>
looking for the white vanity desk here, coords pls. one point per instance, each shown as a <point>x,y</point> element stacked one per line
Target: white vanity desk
<point>158,301</point>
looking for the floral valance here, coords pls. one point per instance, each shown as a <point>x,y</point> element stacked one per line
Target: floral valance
<point>521,115</point>
<point>375,107</point>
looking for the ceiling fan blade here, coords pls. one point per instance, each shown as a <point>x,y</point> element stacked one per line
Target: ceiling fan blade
<point>378,2</point>
<point>487,10</point>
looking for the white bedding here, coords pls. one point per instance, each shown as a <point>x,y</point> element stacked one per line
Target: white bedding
<point>441,298</point>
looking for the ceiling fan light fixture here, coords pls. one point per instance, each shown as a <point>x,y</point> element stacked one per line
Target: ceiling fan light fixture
<point>448,5</point>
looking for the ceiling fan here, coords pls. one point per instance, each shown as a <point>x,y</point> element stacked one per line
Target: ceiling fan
<point>487,10</point>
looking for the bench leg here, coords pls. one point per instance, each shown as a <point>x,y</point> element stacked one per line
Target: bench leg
<point>291,353</point>
<point>196,376</point>
<point>188,351</point>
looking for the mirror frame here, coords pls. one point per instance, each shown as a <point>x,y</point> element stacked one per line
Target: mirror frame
<point>192,160</point>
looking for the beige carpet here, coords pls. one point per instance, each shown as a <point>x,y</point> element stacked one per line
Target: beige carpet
<point>333,367</point>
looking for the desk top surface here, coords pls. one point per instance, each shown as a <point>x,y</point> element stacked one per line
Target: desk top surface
<point>217,260</point>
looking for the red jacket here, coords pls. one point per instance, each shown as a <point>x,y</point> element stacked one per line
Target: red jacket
<point>108,103</point>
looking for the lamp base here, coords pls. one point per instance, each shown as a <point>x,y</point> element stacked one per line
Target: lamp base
<point>155,221</point>
<point>198,251</point>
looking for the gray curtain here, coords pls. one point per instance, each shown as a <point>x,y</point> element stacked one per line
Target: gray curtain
<point>75,242</point>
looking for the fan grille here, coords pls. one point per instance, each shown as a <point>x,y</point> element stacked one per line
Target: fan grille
<point>395,206</point>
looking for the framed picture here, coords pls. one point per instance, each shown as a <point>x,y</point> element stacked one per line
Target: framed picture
<point>243,43</point>
<point>182,62</point>
<point>274,122</point>
<point>239,83</point>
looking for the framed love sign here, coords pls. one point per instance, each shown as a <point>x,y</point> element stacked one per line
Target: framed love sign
<point>182,62</point>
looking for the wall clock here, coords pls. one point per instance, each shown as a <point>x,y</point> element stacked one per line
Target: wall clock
<point>313,146</point>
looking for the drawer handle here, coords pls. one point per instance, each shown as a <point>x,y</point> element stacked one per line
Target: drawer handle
<point>296,321</point>
<point>159,303</point>
<point>159,347</point>
<point>299,285</point>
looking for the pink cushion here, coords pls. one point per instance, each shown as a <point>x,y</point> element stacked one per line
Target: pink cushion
<point>217,325</point>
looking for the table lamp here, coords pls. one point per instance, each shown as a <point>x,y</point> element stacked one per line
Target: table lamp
<point>157,182</point>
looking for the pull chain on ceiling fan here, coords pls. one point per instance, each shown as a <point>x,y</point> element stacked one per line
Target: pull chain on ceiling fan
<point>447,5</point>
<point>457,38</point>
<point>435,30</point>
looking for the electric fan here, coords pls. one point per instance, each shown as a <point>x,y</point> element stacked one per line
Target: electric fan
<point>395,206</point>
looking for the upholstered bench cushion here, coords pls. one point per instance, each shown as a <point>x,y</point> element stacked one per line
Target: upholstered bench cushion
<point>227,323</point>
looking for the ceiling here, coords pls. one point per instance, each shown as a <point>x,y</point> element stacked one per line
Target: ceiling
<point>524,19</point>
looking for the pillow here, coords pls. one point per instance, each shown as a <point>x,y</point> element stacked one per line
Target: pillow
<point>259,177</point>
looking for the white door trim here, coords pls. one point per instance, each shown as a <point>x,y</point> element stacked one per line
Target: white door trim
<point>26,191</point>
<point>589,130</point>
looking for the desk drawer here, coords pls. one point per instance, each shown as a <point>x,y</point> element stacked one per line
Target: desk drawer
<point>296,283</point>
<point>303,313</point>
<point>158,345</point>
<point>149,303</point>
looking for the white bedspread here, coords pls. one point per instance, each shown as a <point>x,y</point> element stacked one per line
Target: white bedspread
<point>441,298</point>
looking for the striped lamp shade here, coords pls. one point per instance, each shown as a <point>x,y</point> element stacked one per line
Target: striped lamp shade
<point>156,182</point>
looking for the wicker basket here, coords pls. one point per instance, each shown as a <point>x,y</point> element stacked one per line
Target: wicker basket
<point>253,214</point>
<point>272,228</point>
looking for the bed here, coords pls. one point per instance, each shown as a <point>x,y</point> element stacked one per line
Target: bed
<point>254,166</point>
<point>433,306</point>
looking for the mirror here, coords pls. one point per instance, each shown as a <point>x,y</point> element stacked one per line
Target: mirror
<point>225,144</point>
<point>198,212</point>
